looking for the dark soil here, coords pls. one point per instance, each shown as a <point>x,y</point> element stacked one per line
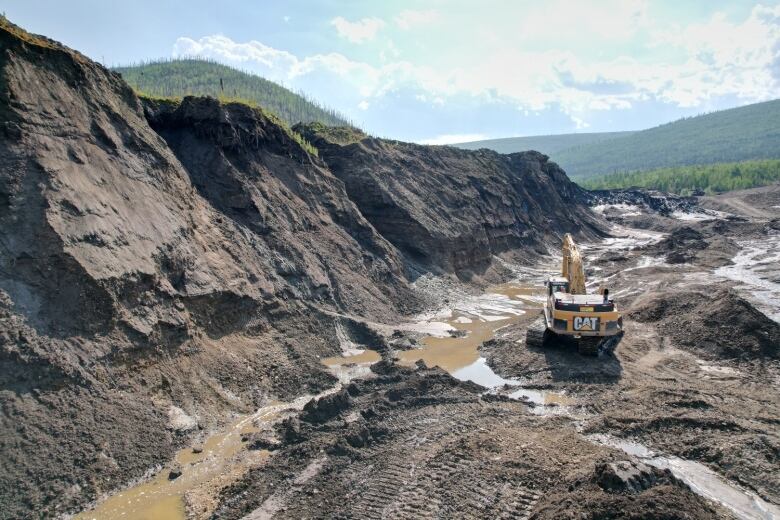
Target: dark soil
<point>718,325</point>
<point>420,444</point>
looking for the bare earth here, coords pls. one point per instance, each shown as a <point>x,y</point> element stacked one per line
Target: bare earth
<point>687,400</point>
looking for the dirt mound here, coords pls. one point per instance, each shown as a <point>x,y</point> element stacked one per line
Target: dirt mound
<point>630,476</point>
<point>651,201</point>
<point>681,245</point>
<point>718,325</point>
<point>658,503</point>
<point>703,245</point>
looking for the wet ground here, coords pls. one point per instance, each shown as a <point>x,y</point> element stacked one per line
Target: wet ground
<point>524,433</point>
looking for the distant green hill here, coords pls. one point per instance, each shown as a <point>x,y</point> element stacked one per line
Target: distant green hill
<point>178,78</point>
<point>547,144</point>
<point>684,180</point>
<point>737,134</point>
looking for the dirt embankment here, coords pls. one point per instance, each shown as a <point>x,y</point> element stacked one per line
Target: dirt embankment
<point>450,209</point>
<point>715,325</point>
<point>165,264</point>
<point>417,443</point>
<point>146,295</point>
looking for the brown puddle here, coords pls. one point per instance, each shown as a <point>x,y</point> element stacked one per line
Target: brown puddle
<point>456,353</point>
<point>367,356</point>
<point>478,323</point>
<point>223,458</point>
<point>347,368</point>
<point>453,354</point>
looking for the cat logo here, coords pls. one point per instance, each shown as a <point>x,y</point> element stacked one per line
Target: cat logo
<point>586,323</point>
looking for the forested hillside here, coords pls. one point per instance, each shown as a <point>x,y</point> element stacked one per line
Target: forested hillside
<point>547,144</point>
<point>177,78</point>
<point>738,134</point>
<point>684,180</point>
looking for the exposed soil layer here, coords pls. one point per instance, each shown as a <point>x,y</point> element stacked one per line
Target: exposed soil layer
<point>450,209</point>
<point>420,444</point>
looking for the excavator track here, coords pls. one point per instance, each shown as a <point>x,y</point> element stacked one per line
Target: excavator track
<point>589,346</point>
<point>536,335</point>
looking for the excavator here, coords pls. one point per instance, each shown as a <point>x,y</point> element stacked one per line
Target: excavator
<point>569,312</point>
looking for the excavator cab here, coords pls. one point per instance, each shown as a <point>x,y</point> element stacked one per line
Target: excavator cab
<point>557,284</point>
<point>569,312</point>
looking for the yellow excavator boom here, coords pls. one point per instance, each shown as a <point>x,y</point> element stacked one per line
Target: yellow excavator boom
<point>572,268</point>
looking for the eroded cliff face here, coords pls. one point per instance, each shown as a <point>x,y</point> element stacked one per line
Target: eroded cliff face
<point>163,264</point>
<point>137,276</point>
<point>452,210</point>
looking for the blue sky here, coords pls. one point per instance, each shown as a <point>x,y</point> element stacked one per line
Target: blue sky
<point>448,71</point>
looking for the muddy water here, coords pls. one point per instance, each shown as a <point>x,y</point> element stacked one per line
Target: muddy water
<point>222,457</point>
<point>475,321</point>
<point>744,504</point>
<point>755,269</point>
<point>347,368</point>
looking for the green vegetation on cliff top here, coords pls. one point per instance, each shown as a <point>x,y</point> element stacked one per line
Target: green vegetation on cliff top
<point>182,77</point>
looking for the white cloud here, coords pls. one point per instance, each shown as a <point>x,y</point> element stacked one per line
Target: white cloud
<point>409,18</point>
<point>709,60</point>
<point>359,31</point>
<point>454,138</point>
<point>363,105</point>
<point>605,20</point>
<point>222,47</point>
<point>579,123</point>
<point>726,58</point>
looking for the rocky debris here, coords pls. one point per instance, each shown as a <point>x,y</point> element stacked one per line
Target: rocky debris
<point>714,324</point>
<point>649,200</point>
<point>403,340</point>
<point>630,476</point>
<point>262,441</point>
<point>453,210</point>
<point>682,245</point>
<point>703,245</point>
<point>327,407</point>
<point>174,472</point>
<point>179,421</point>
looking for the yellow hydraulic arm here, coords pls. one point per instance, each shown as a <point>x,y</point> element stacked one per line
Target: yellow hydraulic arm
<point>572,266</point>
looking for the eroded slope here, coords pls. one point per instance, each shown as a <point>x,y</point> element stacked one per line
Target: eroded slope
<point>450,209</point>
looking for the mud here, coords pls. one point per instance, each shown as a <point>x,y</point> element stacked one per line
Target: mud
<point>417,443</point>
<point>694,378</point>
